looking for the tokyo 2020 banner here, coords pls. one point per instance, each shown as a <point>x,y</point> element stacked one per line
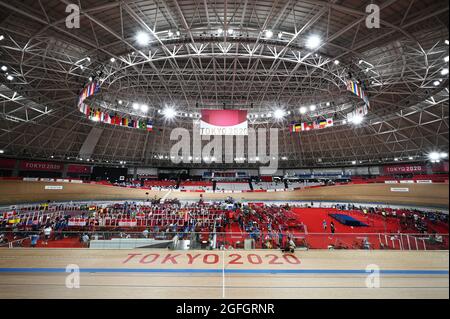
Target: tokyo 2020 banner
<point>224,122</point>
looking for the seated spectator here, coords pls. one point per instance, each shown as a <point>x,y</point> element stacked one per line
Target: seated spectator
<point>290,247</point>
<point>47,234</point>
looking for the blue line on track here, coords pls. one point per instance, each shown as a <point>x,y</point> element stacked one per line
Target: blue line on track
<point>229,271</point>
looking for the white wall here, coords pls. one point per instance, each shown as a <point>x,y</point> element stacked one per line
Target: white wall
<point>147,171</point>
<point>277,173</point>
<point>357,171</point>
<point>292,172</point>
<point>324,171</point>
<point>375,170</point>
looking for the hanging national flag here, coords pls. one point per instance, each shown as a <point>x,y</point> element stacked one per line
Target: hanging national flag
<point>356,89</point>
<point>90,90</point>
<point>149,126</point>
<point>330,122</point>
<point>308,126</point>
<point>97,88</point>
<point>324,123</point>
<point>296,128</point>
<point>142,125</point>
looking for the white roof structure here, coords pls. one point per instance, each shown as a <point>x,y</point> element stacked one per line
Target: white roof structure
<point>252,54</point>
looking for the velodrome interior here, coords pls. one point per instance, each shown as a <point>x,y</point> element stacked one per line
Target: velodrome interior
<point>136,137</point>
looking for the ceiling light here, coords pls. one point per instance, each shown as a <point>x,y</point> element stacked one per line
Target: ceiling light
<point>144,108</point>
<point>303,110</point>
<point>143,38</point>
<point>178,33</point>
<point>230,31</point>
<point>436,83</point>
<point>10,78</point>
<point>2,37</point>
<point>2,152</point>
<point>313,42</point>
<point>443,155</point>
<point>396,159</point>
<point>434,156</point>
<point>220,31</point>
<point>269,33</point>
<point>279,114</point>
<point>354,162</point>
<point>169,113</point>
<point>135,106</point>
<point>336,62</point>
<point>312,107</point>
<point>358,119</point>
<point>446,59</point>
<point>112,60</point>
<point>120,102</point>
<point>444,71</point>
<point>90,79</point>
<point>4,68</point>
<point>328,103</point>
<point>410,158</point>
<point>446,42</point>
<point>280,35</point>
<point>170,34</point>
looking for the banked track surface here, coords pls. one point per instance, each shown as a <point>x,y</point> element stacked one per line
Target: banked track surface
<point>153,274</point>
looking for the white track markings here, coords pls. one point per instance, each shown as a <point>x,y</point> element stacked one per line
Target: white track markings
<point>223,274</point>
<point>167,195</point>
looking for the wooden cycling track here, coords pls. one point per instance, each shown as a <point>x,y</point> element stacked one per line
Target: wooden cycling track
<point>430,195</point>
<point>154,274</point>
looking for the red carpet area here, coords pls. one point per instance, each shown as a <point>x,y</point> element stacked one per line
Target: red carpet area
<point>272,226</point>
<point>348,237</point>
